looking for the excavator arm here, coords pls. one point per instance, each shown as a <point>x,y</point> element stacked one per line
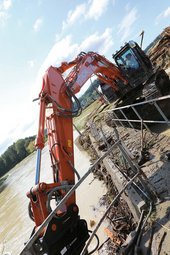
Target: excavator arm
<point>92,63</point>
<point>66,233</point>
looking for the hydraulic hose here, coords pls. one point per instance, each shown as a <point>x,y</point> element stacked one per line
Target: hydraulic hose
<point>68,112</point>
<point>64,187</point>
<point>97,245</point>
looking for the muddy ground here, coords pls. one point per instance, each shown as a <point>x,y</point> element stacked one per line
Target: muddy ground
<point>150,149</point>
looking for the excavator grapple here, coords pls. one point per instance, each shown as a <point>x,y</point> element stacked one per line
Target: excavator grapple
<point>64,234</point>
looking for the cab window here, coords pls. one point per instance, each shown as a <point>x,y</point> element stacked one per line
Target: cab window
<point>127,60</point>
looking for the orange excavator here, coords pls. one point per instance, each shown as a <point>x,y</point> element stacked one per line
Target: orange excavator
<point>65,233</point>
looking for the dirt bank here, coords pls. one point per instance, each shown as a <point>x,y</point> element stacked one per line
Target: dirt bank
<point>150,150</point>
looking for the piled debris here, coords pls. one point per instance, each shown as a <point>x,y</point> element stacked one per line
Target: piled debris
<point>121,221</point>
<point>159,53</point>
<point>151,151</point>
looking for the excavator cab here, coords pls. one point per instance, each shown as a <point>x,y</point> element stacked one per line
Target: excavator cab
<point>134,64</point>
<point>137,68</point>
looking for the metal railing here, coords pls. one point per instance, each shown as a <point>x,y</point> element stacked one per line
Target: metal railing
<point>27,250</point>
<point>160,107</point>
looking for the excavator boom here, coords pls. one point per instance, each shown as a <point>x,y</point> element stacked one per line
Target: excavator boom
<point>92,63</point>
<point>66,233</point>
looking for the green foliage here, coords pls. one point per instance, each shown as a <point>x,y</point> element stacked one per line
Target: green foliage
<point>31,147</point>
<point>20,149</point>
<point>15,153</point>
<point>2,166</point>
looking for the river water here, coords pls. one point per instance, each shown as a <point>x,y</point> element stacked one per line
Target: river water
<point>15,224</point>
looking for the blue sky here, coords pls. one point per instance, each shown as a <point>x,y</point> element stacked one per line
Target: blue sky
<point>35,34</point>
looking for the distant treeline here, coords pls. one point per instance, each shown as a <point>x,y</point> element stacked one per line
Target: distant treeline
<point>15,153</point>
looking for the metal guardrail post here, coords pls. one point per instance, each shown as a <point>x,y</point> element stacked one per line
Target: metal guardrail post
<point>77,130</point>
<point>138,115</point>
<point>134,166</point>
<point>117,118</point>
<point>161,113</point>
<point>130,124</point>
<point>151,101</point>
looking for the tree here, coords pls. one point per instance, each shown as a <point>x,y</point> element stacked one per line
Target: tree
<point>2,167</point>
<point>20,149</point>
<point>30,147</point>
<point>15,153</point>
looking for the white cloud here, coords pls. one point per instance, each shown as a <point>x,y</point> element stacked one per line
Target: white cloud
<point>6,4</point>
<point>126,24</point>
<point>20,129</point>
<point>66,50</point>
<point>62,50</point>
<point>96,8</point>
<point>93,9</point>
<point>98,42</point>
<point>37,24</point>
<point>164,14</point>
<point>4,7</point>
<point>74,15</point>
